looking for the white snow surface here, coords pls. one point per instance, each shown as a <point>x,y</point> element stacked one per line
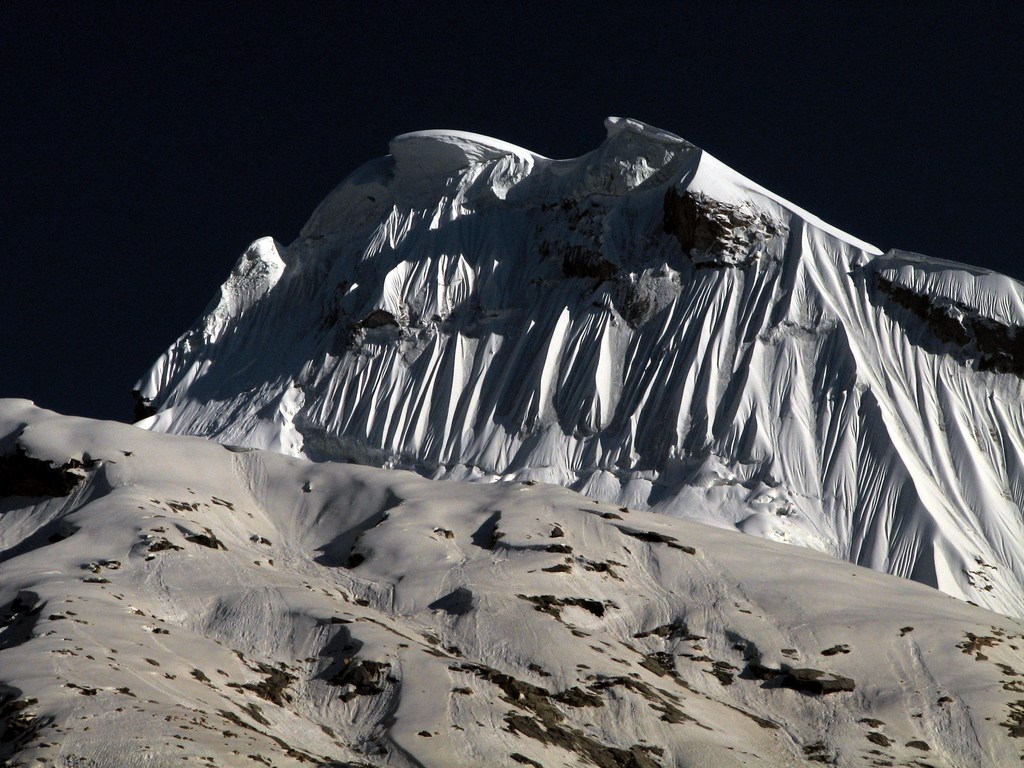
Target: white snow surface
<point>190,603</point>
<point>644,325</point>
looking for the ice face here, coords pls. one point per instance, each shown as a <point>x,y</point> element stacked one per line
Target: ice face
<point>642,324</point>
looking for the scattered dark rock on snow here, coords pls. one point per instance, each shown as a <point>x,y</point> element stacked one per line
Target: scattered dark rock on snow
<point>558,549</point>
<point>817,752</point>
<point>724,671</point>
<point>836,649</point>
<point>670,713</point>
<point>599,566</point>
<point>82,689</point>
<point>1014,722</point>
<point>543,722</point>
<point>183,506</point>
<point>515,691</point>
<point>538,669</point>
<point>207,539</point>
<point>805,680</point>
<point>17,724</point>
<point>361,677</point>
<point>660,663</point>
<point>576,697</point>
<point>98,565</point>
<point>523,760</point>
<point>553,605</point>
<point>876,737</point>
<point>560,568</point>
<point>675,628</point>
<point>575,740</point>
<point>975,643</point>
<point>162,545</point>
<point>652,537</point>
<point>273,688</point>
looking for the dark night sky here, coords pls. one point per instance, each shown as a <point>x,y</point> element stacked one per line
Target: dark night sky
<point>143,145</point>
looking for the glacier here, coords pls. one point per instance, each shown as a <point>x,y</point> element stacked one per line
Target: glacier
<point>641,324</point>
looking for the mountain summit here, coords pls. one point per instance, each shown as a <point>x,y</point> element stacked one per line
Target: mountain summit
<point>642,324</point>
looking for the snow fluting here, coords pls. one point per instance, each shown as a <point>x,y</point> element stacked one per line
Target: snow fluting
<point>167,600</point>
<point>641,324</point>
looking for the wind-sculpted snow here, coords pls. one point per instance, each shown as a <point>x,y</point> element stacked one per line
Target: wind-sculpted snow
<point>181,602</point>
<point>641,324</point>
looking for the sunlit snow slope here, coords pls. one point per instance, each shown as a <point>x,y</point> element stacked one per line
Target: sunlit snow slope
<point>168,601</point>
<point>644,325</point>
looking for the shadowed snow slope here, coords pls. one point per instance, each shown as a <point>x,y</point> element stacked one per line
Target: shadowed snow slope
<point>641,324</point>
<point>166,600</point>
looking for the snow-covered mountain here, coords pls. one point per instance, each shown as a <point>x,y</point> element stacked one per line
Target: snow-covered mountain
<point>166,600</point>
<point>642,324</point>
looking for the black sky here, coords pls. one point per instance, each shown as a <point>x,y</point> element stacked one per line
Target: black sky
<point>144,145</point>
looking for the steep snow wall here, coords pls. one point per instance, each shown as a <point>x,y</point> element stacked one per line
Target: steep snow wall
<point>642,324</point>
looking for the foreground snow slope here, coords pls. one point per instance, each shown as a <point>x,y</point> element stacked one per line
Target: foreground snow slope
<point>641,324</point>
<point>189,603</point>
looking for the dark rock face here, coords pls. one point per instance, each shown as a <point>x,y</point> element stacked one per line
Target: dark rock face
<point>18,619</point>
<point>653,537</point>
<point>24,476</point>
<point>18,724</point>
<point>143,409</point>
<point>581,262</point>
<point>361,677</point>
<point>378,319</point>
<point>208,539</point>
<point>638,298</point>
<point>815,681</point>
<point>273,688</point>
<point>553,605</point>
<point>676,628</point>
<point>990,345</point>
<point>716,234</point>
<point>812,681</point>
